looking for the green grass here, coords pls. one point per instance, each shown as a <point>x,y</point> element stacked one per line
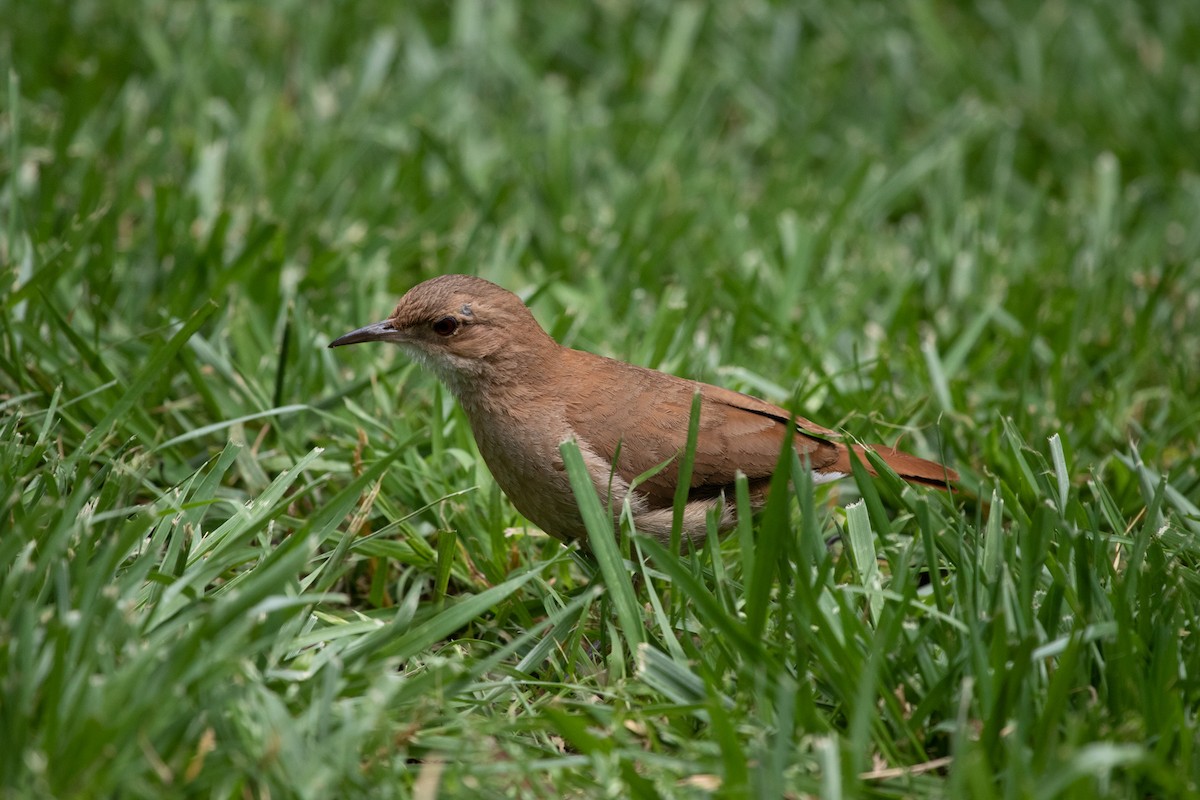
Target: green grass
<point>234,563</point>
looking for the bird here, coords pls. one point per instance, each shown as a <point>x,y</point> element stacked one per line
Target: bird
<point>524,394</point>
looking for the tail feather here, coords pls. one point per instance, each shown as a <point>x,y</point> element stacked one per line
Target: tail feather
<point>909,467</point>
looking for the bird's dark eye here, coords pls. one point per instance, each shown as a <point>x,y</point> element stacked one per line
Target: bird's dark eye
<point>446,326</point>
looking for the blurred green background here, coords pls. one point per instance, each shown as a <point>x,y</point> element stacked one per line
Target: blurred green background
<point>968,226</point>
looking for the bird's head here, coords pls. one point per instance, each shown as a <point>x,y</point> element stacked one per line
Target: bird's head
<point>459,326</point>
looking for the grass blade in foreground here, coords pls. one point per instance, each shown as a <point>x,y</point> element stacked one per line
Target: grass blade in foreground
<point>603,543</point>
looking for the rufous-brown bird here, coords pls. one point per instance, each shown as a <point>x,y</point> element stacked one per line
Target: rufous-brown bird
<point>524,394</point>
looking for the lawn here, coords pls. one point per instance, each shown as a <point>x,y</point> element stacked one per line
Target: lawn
<point>235,563</point>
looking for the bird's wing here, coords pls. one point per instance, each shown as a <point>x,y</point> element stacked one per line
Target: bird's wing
<point>639,420</point>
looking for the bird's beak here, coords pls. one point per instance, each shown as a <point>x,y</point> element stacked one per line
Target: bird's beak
<point>377,332</point>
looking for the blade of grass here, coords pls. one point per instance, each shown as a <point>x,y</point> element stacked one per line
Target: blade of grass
<point>683,487</point>
<point>152,371</point>
<point>603,544</point>
<point>862,550</point>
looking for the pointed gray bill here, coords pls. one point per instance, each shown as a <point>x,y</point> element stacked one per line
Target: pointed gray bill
<point>376,332</point>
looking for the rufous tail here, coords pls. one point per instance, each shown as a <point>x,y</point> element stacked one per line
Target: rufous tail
<point>909,467</point>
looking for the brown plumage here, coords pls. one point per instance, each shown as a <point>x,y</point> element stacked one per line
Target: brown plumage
<point>525,394</point>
